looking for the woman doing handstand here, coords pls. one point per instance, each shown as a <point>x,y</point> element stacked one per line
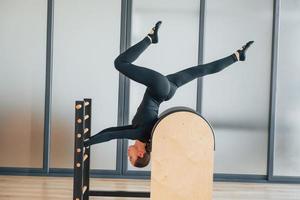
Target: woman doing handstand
<point>159,88</point>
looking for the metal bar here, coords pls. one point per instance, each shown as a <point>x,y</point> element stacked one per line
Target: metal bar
<point>240,177</point>
<point>48,89</point>
<point>285,179</point>
<point>97,173</point>
<point>146,174</point>
<point>124,86</point>
<point>127,42</point>
<point>20,171</point>
<point>121,86</point>
<point>200,53</point>
<point>119,194</point>
<point>78,155</point>
<point>86,168</point>
<point>272,112</point>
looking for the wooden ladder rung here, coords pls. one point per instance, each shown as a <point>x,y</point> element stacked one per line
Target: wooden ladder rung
<point>85,157</point>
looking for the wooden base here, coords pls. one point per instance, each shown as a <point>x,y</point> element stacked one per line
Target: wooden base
<point>182,158</point>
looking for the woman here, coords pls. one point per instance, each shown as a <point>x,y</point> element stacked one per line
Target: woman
<point>159,88</point>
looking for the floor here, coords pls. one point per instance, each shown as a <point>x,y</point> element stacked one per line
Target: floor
<point>58,188</point>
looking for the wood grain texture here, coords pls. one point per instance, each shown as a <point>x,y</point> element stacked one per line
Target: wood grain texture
<point>60,188</point>
<point>182,158</point>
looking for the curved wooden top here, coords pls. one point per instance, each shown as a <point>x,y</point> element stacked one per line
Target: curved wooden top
<point>175,109</point>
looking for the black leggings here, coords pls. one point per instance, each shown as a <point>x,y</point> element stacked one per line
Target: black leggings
<point>158,84</point>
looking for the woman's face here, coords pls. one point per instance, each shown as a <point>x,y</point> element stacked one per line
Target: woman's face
<point>132,154</point>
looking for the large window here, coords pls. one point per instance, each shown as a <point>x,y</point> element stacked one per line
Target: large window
<point>86,41</point>
<point>236,100</point>
<point>22,82</point>
<point>287,138</point>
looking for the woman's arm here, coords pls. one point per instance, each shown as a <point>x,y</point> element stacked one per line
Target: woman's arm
<point>120,132</point>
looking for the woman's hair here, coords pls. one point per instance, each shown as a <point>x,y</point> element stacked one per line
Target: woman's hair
<point>144,161</point>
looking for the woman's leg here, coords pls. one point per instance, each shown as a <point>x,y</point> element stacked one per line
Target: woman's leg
<point>157,83</point>
<point>184,76</point>
<point>145,76</point>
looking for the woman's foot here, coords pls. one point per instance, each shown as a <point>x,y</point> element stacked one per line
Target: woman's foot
<point>153,33</point>
<point>241,53</point>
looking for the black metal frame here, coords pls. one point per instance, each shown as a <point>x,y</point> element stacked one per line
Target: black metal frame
<point>81,153</point>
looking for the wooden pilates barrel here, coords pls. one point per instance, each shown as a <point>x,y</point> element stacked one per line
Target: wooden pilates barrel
<point>182,156</point>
